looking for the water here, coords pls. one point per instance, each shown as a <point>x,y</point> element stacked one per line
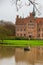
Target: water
<point>7,61</point>
<point>17,56</point>
<point>7,55</point>
<point>22,63</point>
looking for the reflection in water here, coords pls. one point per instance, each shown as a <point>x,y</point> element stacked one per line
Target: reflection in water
<point>7,51</point>
<point>17,56</point>
<point>7,55</point>
<point>38,63</point>
<point>22,63</point>
<point>7,61</point>
<point>25,63</point>
<point>32,57</point>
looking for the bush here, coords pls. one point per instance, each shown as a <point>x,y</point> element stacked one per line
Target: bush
<point>21,38</point>
<point>7,38</point>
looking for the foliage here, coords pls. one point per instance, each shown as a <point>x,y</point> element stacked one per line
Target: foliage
<point>7,31</point>
<point>21,38</point>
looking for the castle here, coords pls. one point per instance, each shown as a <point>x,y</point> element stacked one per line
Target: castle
<point>30,27</point>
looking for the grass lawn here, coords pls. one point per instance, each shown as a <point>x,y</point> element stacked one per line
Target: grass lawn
<point>21,42</point>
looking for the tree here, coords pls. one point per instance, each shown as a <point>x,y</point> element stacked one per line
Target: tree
<point>27,4</point>
<point>7,30</point>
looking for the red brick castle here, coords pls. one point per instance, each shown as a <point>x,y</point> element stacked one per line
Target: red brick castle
<point>30,27</point>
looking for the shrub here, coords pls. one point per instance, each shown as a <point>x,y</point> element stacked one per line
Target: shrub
<point>21,38</point>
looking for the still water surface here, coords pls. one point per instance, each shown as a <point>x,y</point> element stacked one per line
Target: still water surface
<point>7,61</point>
<point>12,56</point>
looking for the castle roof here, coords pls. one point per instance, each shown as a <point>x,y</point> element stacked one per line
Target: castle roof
<point>23,21</point>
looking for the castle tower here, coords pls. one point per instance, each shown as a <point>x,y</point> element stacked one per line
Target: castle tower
<point>33,10</point>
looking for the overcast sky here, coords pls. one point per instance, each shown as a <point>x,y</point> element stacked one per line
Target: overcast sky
<point>8,11</point>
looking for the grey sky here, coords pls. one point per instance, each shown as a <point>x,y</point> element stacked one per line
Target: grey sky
<point>8,11</point>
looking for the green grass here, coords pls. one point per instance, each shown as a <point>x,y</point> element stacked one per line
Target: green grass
<point>21,42</point>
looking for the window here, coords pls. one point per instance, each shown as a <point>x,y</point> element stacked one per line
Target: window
<point>38,35</point>
<point>30,21</point>
<point>39,29</point>
<point>42,29</point>
<point>24,34</point>
<point>21,29</point>
<point>21,35</point>
<point>31,25</point>
<point>24,29</point>
<point>29,32</point>
<point>30,36</point>
<point>42,34</point>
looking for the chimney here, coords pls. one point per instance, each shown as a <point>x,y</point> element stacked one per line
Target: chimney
<point>17,16</point>
<point>31,14</point>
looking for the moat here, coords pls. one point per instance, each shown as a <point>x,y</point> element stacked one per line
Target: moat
<point>17,56</point>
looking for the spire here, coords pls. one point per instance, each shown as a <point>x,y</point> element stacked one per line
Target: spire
<point>33,11</point>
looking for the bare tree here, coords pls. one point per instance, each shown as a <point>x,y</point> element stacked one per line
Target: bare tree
<point>31,1</point>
